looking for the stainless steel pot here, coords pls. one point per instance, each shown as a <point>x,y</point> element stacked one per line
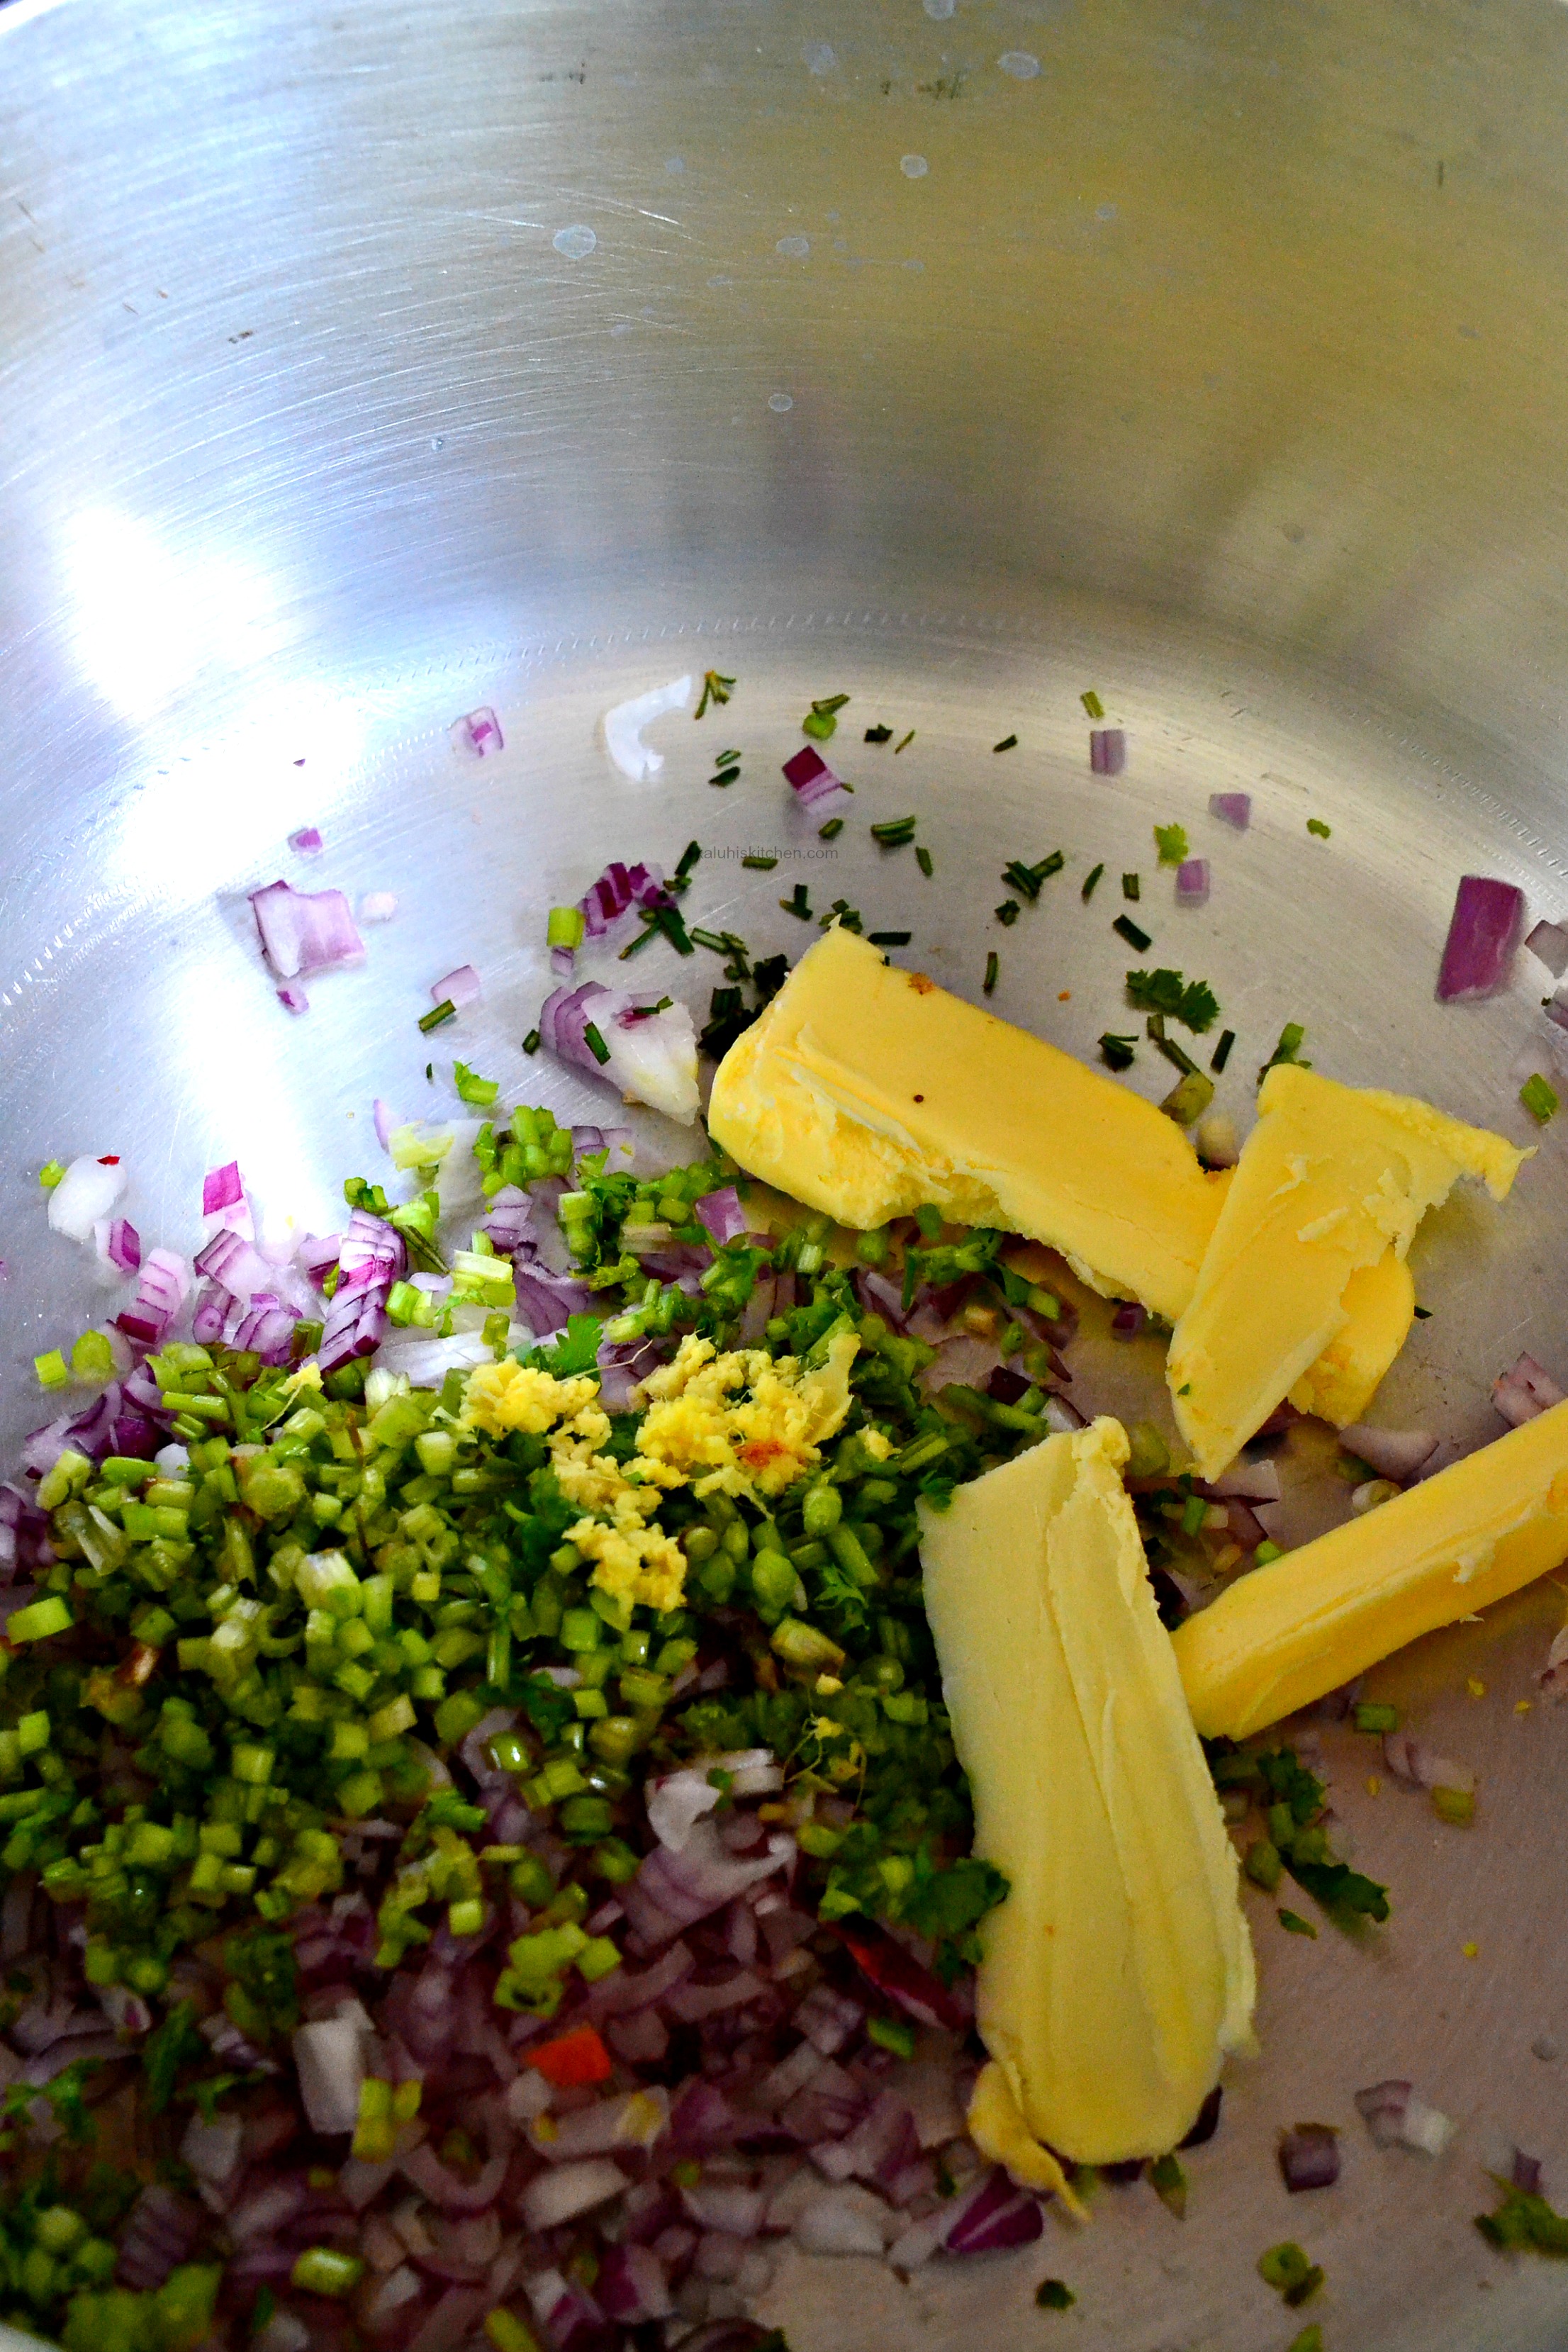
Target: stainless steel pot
<point>363,365</point>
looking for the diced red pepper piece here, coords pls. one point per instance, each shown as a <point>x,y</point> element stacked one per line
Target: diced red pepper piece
<point>890,1967</point>
<point>572,2059</point>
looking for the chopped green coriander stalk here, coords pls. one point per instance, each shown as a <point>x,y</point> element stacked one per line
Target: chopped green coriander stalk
<point>1315,824</point>
<point>1092,882</point>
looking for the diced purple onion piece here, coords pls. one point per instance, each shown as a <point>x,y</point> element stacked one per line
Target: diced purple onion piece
<point>1525,2173</point>
<point>306,843</point>
<point>221,1188</point>
<point>1421,1766</point>
<point>1193,882</point>
<point>479,730</point>
<point>293,998</point>
<point>1310,2157</point>
<point>1549,942</point>
<point>305,932</point>
<point>563,962</point>
<point>160,1295</point>
<point>1106,750</point>
<point>1000,2218</point>
<point>1380,2107</point>
<point>1397,1453</point>
<point>1128,1320</point>
<point>122,1245</point>
<point>1525,1390</point>
<point>1484,930</point>
<point>722,1214</point>
<point>1250,1482</point>
<point>1232,808</point>
<point>618,890</point>
<point>810,777</point>
<point>461,988</point>
<point>385,1123</point>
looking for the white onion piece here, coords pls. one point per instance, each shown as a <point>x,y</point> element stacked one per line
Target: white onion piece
<point>1525,1390</point>
<point>847,2220</point>
<point>213,2150</point>
<point>624,725</point>
<point>675,1806</point>
<point>1250,1482</point>
<point>1372,1492</point>
<point>572,2189</point>
<point>1392,1453</point>
<point>1412,1760</point>
<point>284,2333</point>
<point>85,1193</point>
<point>329,2060</point>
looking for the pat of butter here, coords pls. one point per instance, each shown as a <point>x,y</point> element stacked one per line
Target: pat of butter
<point>865,1091</point>
<point>1118,1972</point>
<point>1333,1182</point>
<point>1281,1637</point>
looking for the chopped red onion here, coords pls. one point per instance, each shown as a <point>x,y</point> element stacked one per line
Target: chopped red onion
<point>810,778</point>
<point>1128,1320</point>
<point>999,2218</point>
<point>160,1295</point>
<point>828,2018</point>
<point>621,890</point>
<point>293,998</point>
<point>1106,750</point>
<point>122,1247</point>
<point>221,1188</point>
<point>652,1058</point>
<point>1395,1454</point>
<point>1421,1766</point>
<point>1549,942</point>
<point>231,1260</point>
<point>1396,2117</point>
<point>1193,882</point>
<point>306,842</point>
<point>1523,1392</point>
<point>1310,2157</point>
<point>267,1330</point>
<point>479,730</point>
<point>568,2189</point>
<point>847,2220</point>
<point>303,931</point>
<point>1525,2173</point>
<point>461,988</point>
<point>1250,1482</point>
<point>1553,1677</point>
<point>1232,808</point>
<point>1483,933</point>
<point>371,1258</point>
<point>377,907</point>
<point>722,1214</point>
<point>85,1195</point>
<point>632,2287</point>
<point>158,2236</point>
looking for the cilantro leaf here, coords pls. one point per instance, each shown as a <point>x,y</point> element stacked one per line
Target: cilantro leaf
<point>166,2049</point>
<point>1526,2223</point>
<point>1340,1889</point>
<point>575,1350</point>
<point>1192,1003</point>
<point>549,1710</point>
<point>1171,840</point>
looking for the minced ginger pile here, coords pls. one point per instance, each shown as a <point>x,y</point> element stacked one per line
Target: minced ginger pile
<point>740,1423</point>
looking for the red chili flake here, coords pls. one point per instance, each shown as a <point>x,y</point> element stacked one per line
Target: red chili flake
<point>109,1160</point>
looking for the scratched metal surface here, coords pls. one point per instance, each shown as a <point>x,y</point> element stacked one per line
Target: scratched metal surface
<point>362,365</point>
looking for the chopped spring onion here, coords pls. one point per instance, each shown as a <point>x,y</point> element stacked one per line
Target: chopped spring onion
<point>1093,704</point>
<point>1289,1049</point>
<point>923,860</point>
<point>822,719</point>
<point>445,1011</point>
<point>894,832</point>
<point>531,1043</point>
<point>595,1043</point>
<point>831,830</point>
<point>1221,1054</point>
<point>1092,882</point>
<point>1188,1098</point>
<point>716,691</point>
<point>760,865</point>
<point>799,904</point>
<point>1128,929</point>
<point>908,738</point>
<point>689,856</point>
<point>472,1089</point>
<point>1130,886</point>
<point>51,1369</point>
<point>1118,1053</point>
<point>993,966</point>
<point>1008,743</point>
<point>1294,1925</point>
<point>1008,912</point>
<point>726,775</point>
<point>565,927</point>
<point>1456,1806</point>
<point>1290,2273</point>
<point>1539,1097</point>
<point>51,1173</point>
<point>889,939</point>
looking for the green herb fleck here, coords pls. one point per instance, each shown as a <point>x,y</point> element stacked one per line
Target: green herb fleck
<point>1289,1049</point>
<point>1373,1715</point>
<point>1192,1002</point>
<point>1131,887</point>
<point>799,905</point>
<point>879,734</point>
<point>1171,840</point>
<point>1315,824</point>
<point>1093,704</point>
<point>445,1011</point>
<point>923,859</point>
<point>1140,941</point>
<point>831,830</point>
<point>1290,2273</point>
<point>1118,1053</point>
<point>1423,1315</point>
<point>1294,1925</point>
<point>1455,1806</point>
<point>1008,912</point>
<point>716,690</point>
<point>889,939</point>
<point>51,1173</point>
<point>725,775</point>
<point>1008,743</point>
<point>1055,2294</point>
<point>993,966</point>
<point>1524,2223</point>
<point>1169,2183</point>
<point>1538,1098</point>
<point>908,738</point>
<point>1310,2339</point>
<point>1221,1054</point>
<point>760,865</point>
<point>1091,883</point>
<point>596,1045</point>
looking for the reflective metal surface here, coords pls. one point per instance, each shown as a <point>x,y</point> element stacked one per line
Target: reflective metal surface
<point>359,365</point>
